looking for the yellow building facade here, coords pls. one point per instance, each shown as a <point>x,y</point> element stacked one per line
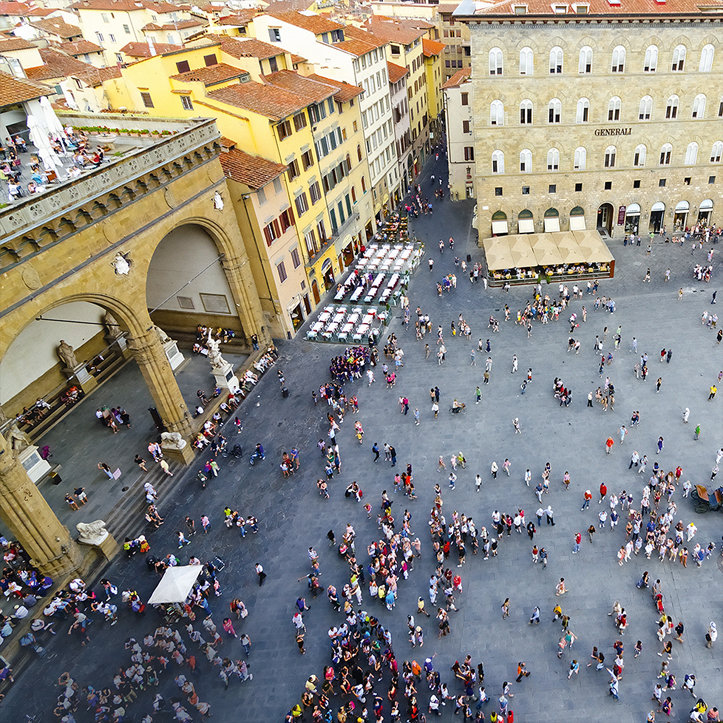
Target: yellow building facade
<point>591,115</point>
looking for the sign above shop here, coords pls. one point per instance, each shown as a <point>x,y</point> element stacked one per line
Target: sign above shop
<point>613,131</point>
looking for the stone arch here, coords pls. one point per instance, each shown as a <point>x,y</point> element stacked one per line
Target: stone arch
<point>113,201</point>
<point>47,236</point>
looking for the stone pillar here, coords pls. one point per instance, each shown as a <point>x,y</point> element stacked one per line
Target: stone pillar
<point>31,520</point>
<point>156,370</point>
<point>241,283</point>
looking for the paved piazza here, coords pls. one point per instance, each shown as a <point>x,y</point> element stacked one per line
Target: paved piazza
<point>293,516</point>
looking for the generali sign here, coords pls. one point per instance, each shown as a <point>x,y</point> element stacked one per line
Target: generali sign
<point>613,131</point>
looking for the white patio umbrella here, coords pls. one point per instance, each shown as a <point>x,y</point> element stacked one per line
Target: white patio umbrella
<point>50,120</point>
<point>175,584</point>
<point>39,138</point>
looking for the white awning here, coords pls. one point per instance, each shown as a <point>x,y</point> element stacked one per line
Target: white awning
<point>633,210</point>
<point>682,206</point>
<point>526,225</point>
<point>577,223</point>
<point>552,223</point>
<point>706,205</point>
<point>175,585</point>
<point>499,228</point>
<point>659,206</point>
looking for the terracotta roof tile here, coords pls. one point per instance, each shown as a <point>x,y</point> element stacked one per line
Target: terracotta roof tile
<point>603,7</point>
<point>395,72</point>
<point>238,19</point>
<point>211,74</point>
<point>56,64</point>
<point>297,59</point>
<point>267,100</point>
<point>255,172</point>
<point>458,78</point>
<point>247,47</point>
<point>57,26</point>
<point>313,23</point>
<point>96,76</point>
<point>180,25</point>
<point>11,8</point>
<point>394,31</point>
<point>143,50</point>
<point>157,6</point>
<point>345,91</point>
<point>80,47</point>
<point>8,44</point>
<point>17,90</point>
<point>312,91</point>
<point>431,48</point>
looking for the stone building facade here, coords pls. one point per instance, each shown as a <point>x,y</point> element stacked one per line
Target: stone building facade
<point>596,115</point>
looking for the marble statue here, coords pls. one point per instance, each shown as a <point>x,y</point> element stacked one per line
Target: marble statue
<point>214,353</point>
<point>163,337</point>
<point>172,440</point>
<point>67,355</point>
<point>92,533</point>
<point>17,439</point>
<point>111,324</point>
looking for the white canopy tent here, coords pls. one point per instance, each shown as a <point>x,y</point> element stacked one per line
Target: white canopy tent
<point>175,584</point>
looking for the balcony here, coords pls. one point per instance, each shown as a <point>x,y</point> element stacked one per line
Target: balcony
<point>336,238</point>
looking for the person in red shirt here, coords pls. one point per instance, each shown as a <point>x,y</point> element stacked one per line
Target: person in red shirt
<point>603,492</point>
<point>609,442</point>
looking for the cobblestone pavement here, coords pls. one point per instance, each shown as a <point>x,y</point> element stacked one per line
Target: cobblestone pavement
<point>293,516</point>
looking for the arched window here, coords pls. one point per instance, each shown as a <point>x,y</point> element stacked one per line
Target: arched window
<point>618,64</point>
<point>553,159</point>
<point>671,107</point>
<point>678,59</point>
<point>716,152</point>
<point>665,153</point>
<point>584,63</point>
<point>583,111</point>
<point>639,157</point>
<point>554,111</point>
<point>580,159</point>
<point>706,59</point>
<point>556,60</point>
<point>526,61</point>
<point>691,154</point>
<point>614,109</point>
<point>699,106</point>
<point>651,59</point>
<point>495,61</point>
<point>498,162</point>
<point>610,153</point>
<point>526,112</point>
<point>525,160</point>
<point>497,113</point>
<point>646,108</point>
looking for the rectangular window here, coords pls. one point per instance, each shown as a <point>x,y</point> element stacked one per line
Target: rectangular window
<point>636,184</point>
<point>307,159</point>
<point>302,204</point>
<point>686,181</point>
<point>111,37</point>
<point>608,185</point>
<point>469,153</point>
<point>182,66</point>
<point>498,190</point>
<point>281,271</point>
<point>295,260</point>
<point>210,60</point>
<point>525,190</point>
<point>661,182</point>
<point>293,171</point>
<point>286,219</point>
<point>552,188</point>
<point>126,30</point>
<point>465,126</point>
<point>275,35</point>
<point>321,231</point>
<point>284,129</point>
<point>272,231</point>
<point>99,36</point>
<point>273,65</point>
<point>711,179</point>
<point>578,187</point>
<point>300,121</point>
<point>314,192</point>
<point>465,98</point>
<point>146,99</point>
<point>186,102</point>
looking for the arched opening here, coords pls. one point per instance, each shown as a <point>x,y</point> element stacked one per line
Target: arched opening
<point>525,222</point>
<point>681,215</point>
<point>577,219</point>
<point>657,215</point>
<point>499,224</point>
<point>187,286</point>
<point>632,218</point>
<point>605,218</point>
<point>327,269</point>
<point>705,211</point>
<point>315,291</point>
<point>551,220</point>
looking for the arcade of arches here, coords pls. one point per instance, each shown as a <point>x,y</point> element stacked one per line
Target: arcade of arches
<point>186,265</point>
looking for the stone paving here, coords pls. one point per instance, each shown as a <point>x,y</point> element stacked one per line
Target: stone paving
<point>293,516</point>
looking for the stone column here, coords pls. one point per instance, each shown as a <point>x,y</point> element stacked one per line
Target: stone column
<point>241,282</point>
<point>31,520</point>
<point>156,370</point>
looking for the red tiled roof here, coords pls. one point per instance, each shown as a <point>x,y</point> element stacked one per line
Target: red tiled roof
<point>80,47</point>
<point>56,64</point>
<point>8,44</point>
<point>96,76</point>
<point>431,47</point>
<point>395,72</point>
<point>180,25</point>
<point>238,19</point>
<point>267,100</point>
<point>157,6</point>
<point>247,47</point>
<point>16,90</point>
<point>143,50</point>
<point>394,31</point>
<point>297,59</point>
<point>311,90</point>
<point>359,42</point>
<point>313,23</point>
<point>345,91</point>
<point>255,172</point>
<point>209,75</point>
<point>57,26</point>
<point>706,8</point>
<point>458,78</point>
<point>10,8</point>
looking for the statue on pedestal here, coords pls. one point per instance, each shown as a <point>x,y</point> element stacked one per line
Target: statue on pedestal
<point>111,324</point>
<point>214,353</point>
<point>67,355</point>
<point>17,439</point>
<point>162,336</point>
<point>172,440</point>
<point>92,533</point>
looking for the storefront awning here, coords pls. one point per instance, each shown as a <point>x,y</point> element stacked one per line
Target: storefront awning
<point>499,228</point>
<point>577,223</point>
<point>552,223</point>
<point>526,225</point>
